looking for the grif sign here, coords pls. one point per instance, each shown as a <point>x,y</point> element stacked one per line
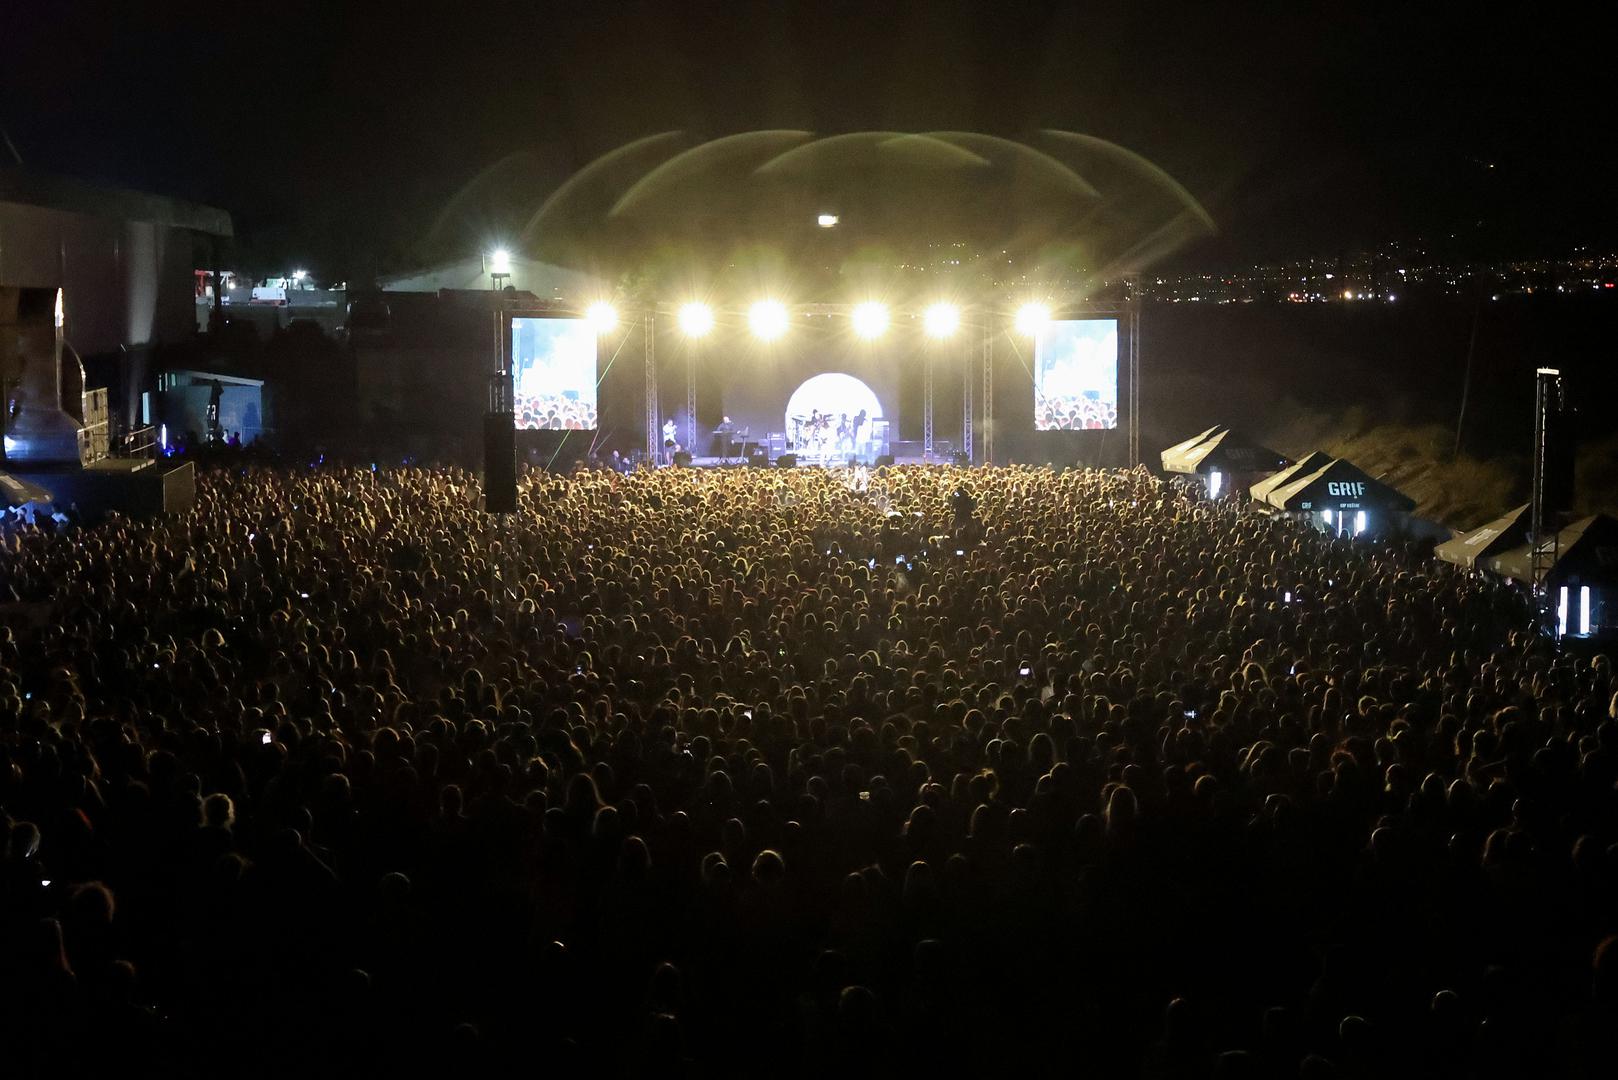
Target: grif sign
<point>1346,489</point>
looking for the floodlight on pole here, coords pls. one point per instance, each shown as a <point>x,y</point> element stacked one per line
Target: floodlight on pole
<point>696,320</point>
<point>1031,319</point>
<point>767,319</point>
<point>602,317</point>
<point>941,320</point>
<point>500,261</point>
<point>870,319</point>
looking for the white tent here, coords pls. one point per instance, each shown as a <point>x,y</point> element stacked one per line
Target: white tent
<point>544,280</point>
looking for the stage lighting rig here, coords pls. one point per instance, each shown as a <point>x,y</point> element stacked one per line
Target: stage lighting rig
<point>696,320</point>
<point>941,320</point>
<point>870,319</point>
<point>767,319</point>
<point>1031,319</point>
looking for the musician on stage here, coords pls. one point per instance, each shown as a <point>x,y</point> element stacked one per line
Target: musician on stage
<point>669,445</point>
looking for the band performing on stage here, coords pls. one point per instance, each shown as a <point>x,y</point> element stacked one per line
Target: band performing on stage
<point>824,436</point>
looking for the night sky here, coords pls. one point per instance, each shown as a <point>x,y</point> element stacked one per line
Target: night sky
<point>335,132</point>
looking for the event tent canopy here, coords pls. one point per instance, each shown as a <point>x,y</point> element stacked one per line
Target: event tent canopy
<point>1178,450</point>
<point>1315,460</point>
<point>1339,485</point>
<point>1504,532</point>
<point>1587,548</point>
<point>1223,449</point>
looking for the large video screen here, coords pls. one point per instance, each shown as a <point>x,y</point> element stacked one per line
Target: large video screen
<point>1076,375</point>
<point>553,371</point>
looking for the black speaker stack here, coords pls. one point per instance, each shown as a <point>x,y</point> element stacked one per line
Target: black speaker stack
<point>499,463</point>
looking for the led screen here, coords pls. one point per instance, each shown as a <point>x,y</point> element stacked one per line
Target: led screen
<point>1076,375</point>
<point>553,371</point>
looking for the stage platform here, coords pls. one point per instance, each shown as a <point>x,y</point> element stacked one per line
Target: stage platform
<point>135,487</point>
<point>810,462</point>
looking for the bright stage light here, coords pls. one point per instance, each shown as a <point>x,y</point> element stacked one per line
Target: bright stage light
<point>602,317</point>
<point>696,320</point>
<point>500,261</point>
<point>767,319</point>
<point>941,320</point>
<point>826,221</point>
<point>870,319</point>
<point>1031,318</point>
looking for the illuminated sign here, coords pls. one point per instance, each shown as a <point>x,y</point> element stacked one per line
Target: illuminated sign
<point>1346,488</point>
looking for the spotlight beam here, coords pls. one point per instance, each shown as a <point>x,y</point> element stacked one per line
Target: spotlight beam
<point>1031,319</point>
<point>941,321</point>
<point>768,319</point>
<point>696,320</point>
<point>870,319</point>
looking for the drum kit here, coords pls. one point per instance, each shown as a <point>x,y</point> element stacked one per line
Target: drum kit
<point>812,433</point>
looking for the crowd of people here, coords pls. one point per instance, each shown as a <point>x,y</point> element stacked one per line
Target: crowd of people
<point>928,771</point>
<point>1074,412</point>
<point>554,412</point>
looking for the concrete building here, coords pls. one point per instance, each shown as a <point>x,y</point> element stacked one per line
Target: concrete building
<point>125,263</point>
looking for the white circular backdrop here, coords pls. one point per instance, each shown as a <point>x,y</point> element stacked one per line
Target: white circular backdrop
<point>836,393</point>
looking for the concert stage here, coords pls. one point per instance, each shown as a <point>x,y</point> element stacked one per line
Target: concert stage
<point>832,385</point>
<point>791,460</point>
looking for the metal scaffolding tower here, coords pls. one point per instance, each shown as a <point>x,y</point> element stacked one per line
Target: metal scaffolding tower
<point>927,404</point>
<point>690,396</point>
<point>1544,531</point>
<point>1132,299</point>
<point>653,443</point>
<point>966,399</point>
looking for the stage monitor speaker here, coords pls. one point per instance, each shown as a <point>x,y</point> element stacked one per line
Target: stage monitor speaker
<point>759,459</point>
<point>906,448</point>
<point>787,461</point>
<point>884,461</point>
<point>682,457</point>
<point>499,463</point>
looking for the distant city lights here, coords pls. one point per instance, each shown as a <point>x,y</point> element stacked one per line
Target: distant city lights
<point>1415,272</point>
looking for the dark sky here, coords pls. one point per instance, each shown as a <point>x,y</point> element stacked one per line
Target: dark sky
<point>334,130</point>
